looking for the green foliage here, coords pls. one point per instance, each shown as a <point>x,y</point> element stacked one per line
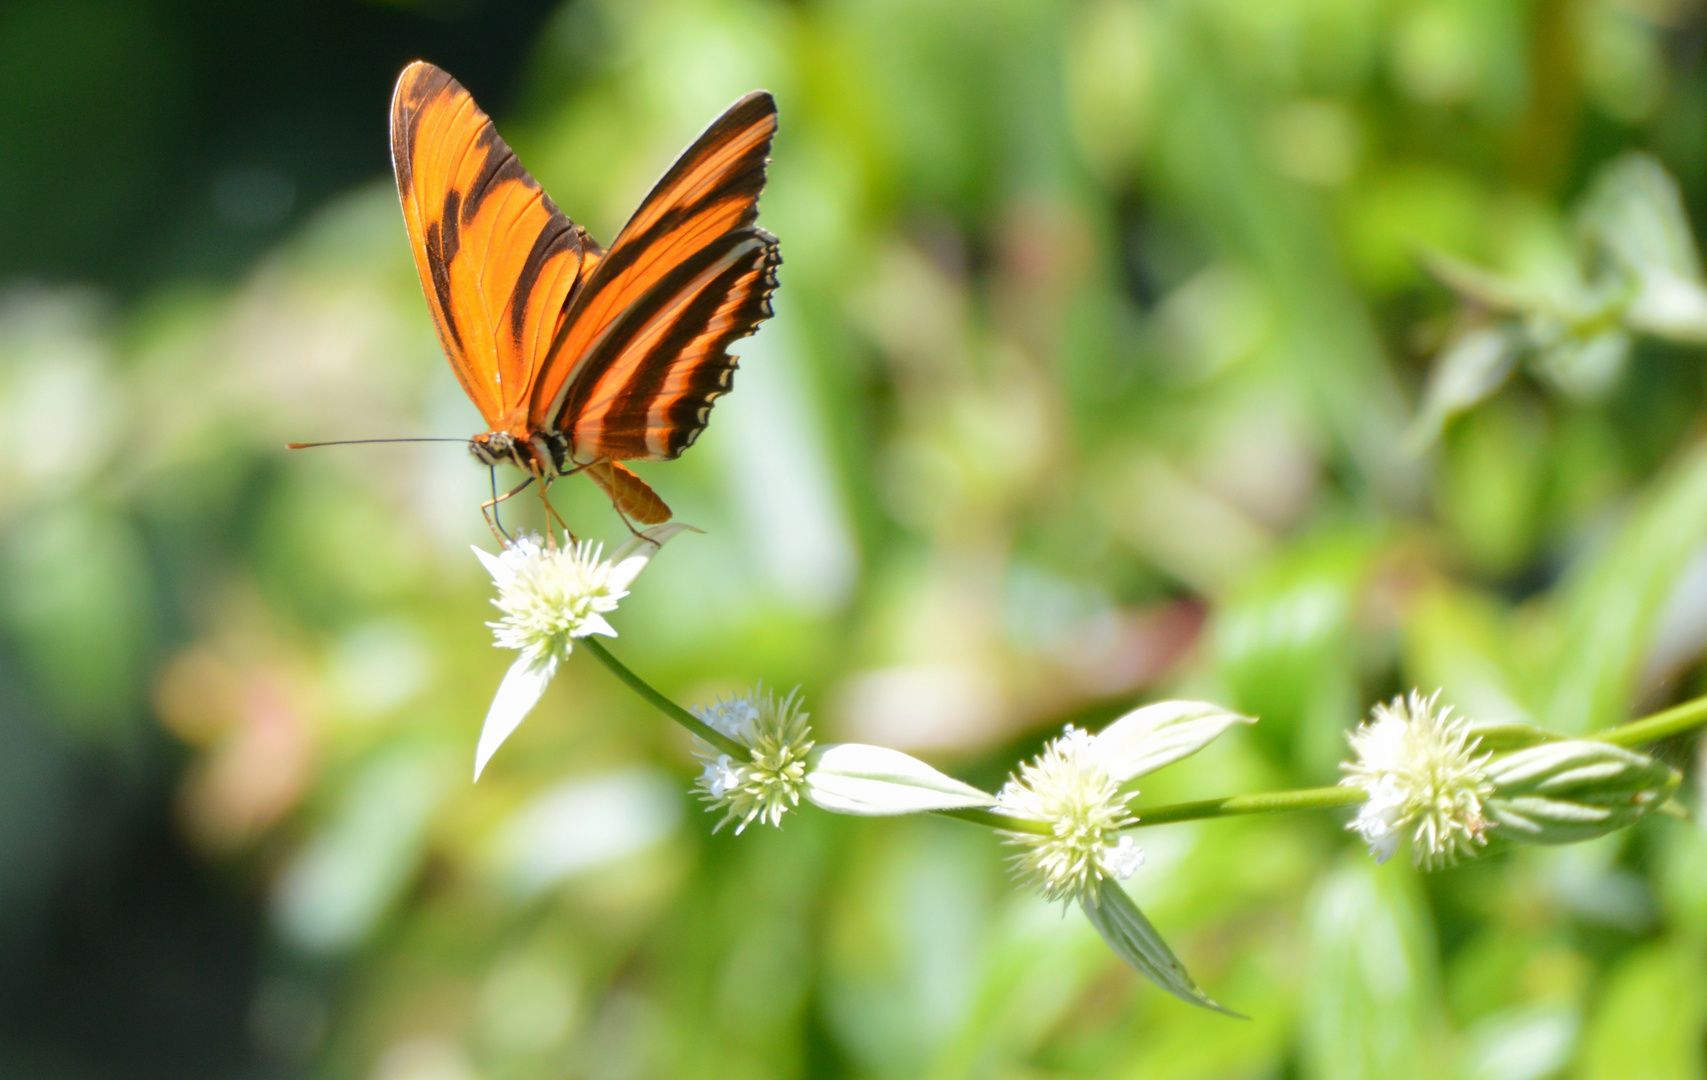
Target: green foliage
<point>1280,355</point>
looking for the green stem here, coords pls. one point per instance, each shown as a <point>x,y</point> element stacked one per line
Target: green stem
<point>1322,798</point>
<point>665,705</point>
<point>991,820</point>
<point>1672,721</point>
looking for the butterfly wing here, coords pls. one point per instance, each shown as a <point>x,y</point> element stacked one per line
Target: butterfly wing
<point>643,351</point>
<point>630,495</point>
<point>497,259</point>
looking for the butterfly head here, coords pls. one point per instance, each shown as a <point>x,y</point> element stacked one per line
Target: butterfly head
<point>498,448</point>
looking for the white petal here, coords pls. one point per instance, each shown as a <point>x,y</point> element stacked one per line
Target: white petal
<point>632,557</point>
<point>501,574</point>
<point>595,624</point>
<point>873,781</point>
<point>517,695</point>
<point>1146,739</point>
<point>1123,859</point>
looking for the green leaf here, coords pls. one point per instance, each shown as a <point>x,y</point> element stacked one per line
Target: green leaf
<point>1584,366</point>
<point>1636,211</point>
<point>1369,1011</point>
<point>1613,602</point>
<point>1574,789</point>
<point>1135,941</point>
<point>1462,642</point>
<point>1469,368</point>
<point>1647,1025</point>
<point>1483,287</point>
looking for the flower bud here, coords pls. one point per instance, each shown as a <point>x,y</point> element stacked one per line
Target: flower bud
<point>1573,789</point>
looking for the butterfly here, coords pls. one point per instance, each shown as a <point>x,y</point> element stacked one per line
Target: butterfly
<point>580,357</point>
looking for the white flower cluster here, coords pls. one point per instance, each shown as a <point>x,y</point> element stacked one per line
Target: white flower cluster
<point>770,782</point>
<point>550,596</point>
<point>1069,787</point>
<point>1421,773</point>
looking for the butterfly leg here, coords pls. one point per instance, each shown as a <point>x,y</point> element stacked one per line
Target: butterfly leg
<point>551,513</point>
<point>489,510</point>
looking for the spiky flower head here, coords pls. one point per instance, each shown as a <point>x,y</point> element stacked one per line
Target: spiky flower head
<point>769,782</point>
<point>1418,766</point>
<point>1069,788</point>
<point>551,595</point>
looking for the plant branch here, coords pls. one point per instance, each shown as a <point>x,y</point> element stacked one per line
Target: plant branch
<point>1322,798</point>
<point>665,705</point>
<point>991,820</point>
<point>1672,721</point>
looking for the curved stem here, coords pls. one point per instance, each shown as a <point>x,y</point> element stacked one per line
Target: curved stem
<point>1672,721</point>
<point>665,705</point>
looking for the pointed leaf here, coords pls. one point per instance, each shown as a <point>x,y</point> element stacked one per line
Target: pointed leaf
<point>1483,287</point>
<point>1615,600</point>
<point>1146,739</point>
<point>632,557</point>
<point>1135,941</point>
<point>1670,307</point>
<point>874,781</point>
<point>1574,789</point>
<point>1636,210</point>
<point>1469,367</point>
<point>517,695</point>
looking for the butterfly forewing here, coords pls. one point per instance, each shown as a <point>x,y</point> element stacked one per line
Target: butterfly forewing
<point>643,351</point>
<point>497,259</point>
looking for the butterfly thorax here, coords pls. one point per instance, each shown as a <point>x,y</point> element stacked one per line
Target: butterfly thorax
<point>542,454</point>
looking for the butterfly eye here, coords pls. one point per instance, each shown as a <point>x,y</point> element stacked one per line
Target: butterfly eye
<point>491,448</point>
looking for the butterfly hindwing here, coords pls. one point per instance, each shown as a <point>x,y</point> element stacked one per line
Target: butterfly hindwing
<point>630,495</point>
<point>644,349</point>
<point>497,259</point>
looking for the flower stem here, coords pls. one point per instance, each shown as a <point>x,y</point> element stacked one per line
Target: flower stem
<point>992,820</point>
<point>1322,798</point>
<point>665,705</point>
<point>1672,721</point>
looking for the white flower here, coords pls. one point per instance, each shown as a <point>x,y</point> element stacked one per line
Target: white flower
<point>1074,787</point>
<point>550,596</point>
<point>1070,788</point>
<point>1420,773</point>
<point>769,782</point>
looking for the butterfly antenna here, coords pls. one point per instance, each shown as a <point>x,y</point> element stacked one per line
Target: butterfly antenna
<point>359,442</point>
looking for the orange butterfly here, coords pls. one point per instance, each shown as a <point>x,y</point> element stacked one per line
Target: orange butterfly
<point>580,357</point>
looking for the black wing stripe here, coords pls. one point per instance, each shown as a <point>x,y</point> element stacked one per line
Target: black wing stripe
<point>627,251</point>
<point>636,318</point>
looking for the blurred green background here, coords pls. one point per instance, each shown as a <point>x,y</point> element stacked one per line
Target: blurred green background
<point>1100,373</point>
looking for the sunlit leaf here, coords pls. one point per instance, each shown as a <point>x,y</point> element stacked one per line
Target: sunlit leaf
<point>1135,941</point>
<point>1371,1011</point>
